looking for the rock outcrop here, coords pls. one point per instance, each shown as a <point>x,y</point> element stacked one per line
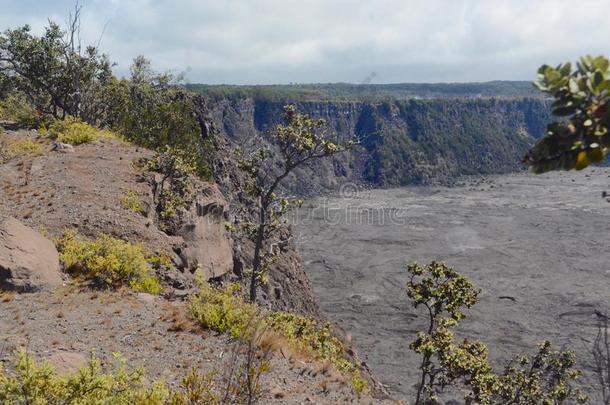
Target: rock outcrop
<point>207,245</point>
<point>84,190</point>
<point>28,260</point>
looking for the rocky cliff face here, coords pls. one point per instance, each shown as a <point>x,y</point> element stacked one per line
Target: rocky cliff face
<point>82,190</point>
<point>400,141</point>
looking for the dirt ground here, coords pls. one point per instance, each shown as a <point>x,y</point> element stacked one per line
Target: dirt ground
<point>82,189</point>
<point>66,326</point>
<point>537,246</point>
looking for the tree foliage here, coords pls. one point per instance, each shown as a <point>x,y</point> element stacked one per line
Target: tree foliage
<point>152,110</point>
<point>149,109</point>
<point>58,75</point>
<point>544,378</point>
<point>62,79</point>
<point>581,99</point>
<point>298,141</point>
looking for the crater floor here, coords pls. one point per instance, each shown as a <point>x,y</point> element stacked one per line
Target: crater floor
<point>537,246</point>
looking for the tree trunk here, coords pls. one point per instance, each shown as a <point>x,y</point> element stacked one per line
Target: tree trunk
<point>258,247</point>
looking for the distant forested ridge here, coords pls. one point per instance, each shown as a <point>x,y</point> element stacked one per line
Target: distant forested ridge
<point>408,133</point>
<point>352,92</point>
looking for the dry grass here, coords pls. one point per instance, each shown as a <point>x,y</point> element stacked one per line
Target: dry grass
<point>7,295</point>
<point>180,321</point>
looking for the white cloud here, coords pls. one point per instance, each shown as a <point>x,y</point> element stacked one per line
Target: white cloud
<point>271,41</point>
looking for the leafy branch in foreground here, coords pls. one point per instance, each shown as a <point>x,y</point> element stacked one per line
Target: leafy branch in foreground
<point>581,100</point>
<point>544,378</point>
<point>300,140</point>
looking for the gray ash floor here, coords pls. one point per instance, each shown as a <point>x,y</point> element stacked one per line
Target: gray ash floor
<point>540,240</point>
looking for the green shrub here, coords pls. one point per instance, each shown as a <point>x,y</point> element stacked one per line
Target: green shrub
<point>131,202</point>
<point>223,310</point>
<point>161,260</point>
<point>152,110</point>
<point>23,147</point>
<point>74,131</point>
<point>307,333</point>
<point>31,383</point>
<point>544,378</point>
<point>112,262</point>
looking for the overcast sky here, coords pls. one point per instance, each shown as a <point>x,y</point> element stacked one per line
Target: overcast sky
<point>283,41</point>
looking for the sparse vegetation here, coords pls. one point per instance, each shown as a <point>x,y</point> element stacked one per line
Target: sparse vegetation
<point>308,334</point>
<point>224,310</point>
<point>132,202</point>
<point>545,378</point>
<point>198,388</point>
<point>33,383</point>
<point>249,362</point>
<point>108,261</point>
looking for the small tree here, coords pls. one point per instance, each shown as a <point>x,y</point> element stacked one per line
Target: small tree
<point>544,378</point>
<point>174,192</point>
<point>444,293</point>
<point>300,140</point>
<point>581,100</point>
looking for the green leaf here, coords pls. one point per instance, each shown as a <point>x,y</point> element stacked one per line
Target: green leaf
<point>542,69</point>
<point>597,80</point>
<point>564,111</point>
<point>601,63</point>
<point>595,155</point>
<point>587,62</point>
<point>540,86</point>
<point>566,69</point>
